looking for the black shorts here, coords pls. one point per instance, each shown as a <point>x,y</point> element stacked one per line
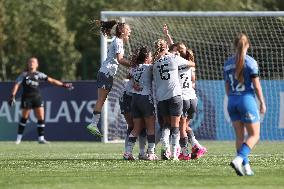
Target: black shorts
<point>170,107</point>
<point>189,108</point>
<point>104,81</point>
<point>31,102</point>
<point>125,103</point>
<point>142,106</point>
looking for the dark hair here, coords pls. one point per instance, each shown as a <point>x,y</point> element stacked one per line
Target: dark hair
<point>240,43</point>
<point>139,55</point>
<point>28,61</point>
<point>172,46</point>
<point>106,27</point>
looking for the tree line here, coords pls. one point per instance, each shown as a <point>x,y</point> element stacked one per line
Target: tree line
<point>62,35</point>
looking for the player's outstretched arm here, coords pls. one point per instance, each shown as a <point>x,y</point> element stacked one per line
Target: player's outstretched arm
<point>60,83</point>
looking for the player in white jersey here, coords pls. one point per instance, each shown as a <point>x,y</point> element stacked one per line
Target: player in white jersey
<point>109,67</point>
<point>142,103</point>
<point>125,107</point>
<point>168,94</point>
<point>187,81</point>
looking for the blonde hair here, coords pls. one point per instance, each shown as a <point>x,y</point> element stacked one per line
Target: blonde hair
<point>160,46</point>
<point>241,42</point>
<point>188,54</point>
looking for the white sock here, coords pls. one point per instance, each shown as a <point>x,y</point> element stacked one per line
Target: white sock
<point>129,148</point>
<point>19,137</point>
<point>126,142</point>
<point>41,138</point>
<point>96,119</point>
<point>142,144</point>
<point>192,140</point>
<point>195,142</point>
<point>175,140</point>
<point>165,138</point>
<point>151,148</point>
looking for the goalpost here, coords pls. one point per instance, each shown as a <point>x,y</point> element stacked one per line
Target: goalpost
<point>209,35</point>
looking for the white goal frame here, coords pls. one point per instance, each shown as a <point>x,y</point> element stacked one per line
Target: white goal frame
<point>121,14</point>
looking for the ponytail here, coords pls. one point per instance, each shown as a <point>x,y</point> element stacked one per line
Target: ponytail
<point>240,44</point>
<point>159,47</point>
<point>139,56</point>
<point>106,27</point>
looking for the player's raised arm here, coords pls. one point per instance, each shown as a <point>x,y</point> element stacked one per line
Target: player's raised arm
<point>167,34</point>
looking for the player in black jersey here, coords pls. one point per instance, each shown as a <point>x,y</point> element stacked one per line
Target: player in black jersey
<point>31,97</point>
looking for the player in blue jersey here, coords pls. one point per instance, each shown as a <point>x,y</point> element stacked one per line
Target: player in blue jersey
<point>109,67</point>
<point>242,84</point>
<point>31,97</point>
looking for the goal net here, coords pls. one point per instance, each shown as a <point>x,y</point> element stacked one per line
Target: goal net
<point>210,36</point>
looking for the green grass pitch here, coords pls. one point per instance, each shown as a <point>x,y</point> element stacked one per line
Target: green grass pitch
<point>82,165</point>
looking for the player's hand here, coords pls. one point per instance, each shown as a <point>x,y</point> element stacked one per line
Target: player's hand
<point>262,108</point>
<point>68,86</point>
<point>11,100</point>
<point>165,29</point>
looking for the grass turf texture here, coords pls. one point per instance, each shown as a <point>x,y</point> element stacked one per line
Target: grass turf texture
<point>96,165</point>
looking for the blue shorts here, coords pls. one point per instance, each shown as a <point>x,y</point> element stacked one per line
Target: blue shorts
<point>104,81</point>
<point>243,108</point>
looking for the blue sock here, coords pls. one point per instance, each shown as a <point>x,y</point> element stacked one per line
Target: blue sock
<point>244,151</point>
<point>245,160</point>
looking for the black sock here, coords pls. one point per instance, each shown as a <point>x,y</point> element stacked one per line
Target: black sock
<point>40,127</point>
<point>22,126</point>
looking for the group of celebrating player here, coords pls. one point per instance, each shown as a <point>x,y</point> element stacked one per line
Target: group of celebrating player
<point>161,85</point>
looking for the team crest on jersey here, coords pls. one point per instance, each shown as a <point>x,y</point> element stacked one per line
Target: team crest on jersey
<point>249,116</point>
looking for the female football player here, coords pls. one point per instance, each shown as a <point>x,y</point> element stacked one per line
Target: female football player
<point>168,94</point>
<point>126,110</point>
<point>31,97</point>
<point>109,67</point>
<point>143,110</point>
<point>187,80</point>
<point>242,84</point>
